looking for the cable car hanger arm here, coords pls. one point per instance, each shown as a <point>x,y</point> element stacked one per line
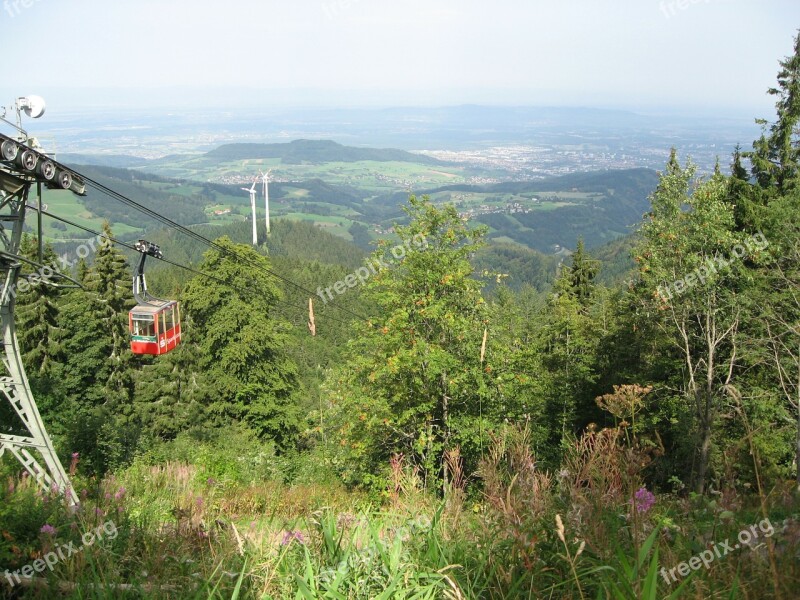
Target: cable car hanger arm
<point>140,292</point>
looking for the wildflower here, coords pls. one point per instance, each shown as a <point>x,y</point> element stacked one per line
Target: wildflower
<point>48,529</point>
<point>560,528</point>
<point>643,500</point>
<point>290,536</point>
<point>120,494</point>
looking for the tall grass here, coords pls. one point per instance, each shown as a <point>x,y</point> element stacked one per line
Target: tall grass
<point>208,522</point>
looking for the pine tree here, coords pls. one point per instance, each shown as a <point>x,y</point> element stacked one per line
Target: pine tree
<point>109,282</point>
<point>581,275</point>
<point>38,324</point>
<point>741,195</point>
<point>776,154</point>
<point>243,347</point>
<point>38,311</point>
<point>568,343</point>
<point>96,370</point>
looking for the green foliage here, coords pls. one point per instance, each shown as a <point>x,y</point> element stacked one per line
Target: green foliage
<point>130,183</point>
<point>517,266</point>
<point>494,405</point>
<point>242,346</point>
<point>415,383</point>
<point>628,580</point>
<point>566,348</point>
<point>691,281</point>
<point>776,154</point>
<point>38,314</point>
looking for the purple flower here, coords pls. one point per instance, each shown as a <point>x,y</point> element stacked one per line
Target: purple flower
<point>48,529</point>
<point>290,536</point>
<point>120,494</point>
<point>643,500</point>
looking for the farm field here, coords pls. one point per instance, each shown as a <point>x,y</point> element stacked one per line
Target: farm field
<point>369,175</point>
<point>67,205</point>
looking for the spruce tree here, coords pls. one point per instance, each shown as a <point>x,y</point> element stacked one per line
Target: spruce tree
<point>242,344</point>
<point>38,318</point>
<point>776,154</point>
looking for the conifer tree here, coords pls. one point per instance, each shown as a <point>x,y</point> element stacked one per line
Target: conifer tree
<point>568,342</point>
<point>243,345</point>
<point>38,311</point>
<point>776,154</point>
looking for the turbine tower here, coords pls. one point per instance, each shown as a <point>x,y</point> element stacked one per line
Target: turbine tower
<point>252,191</point>
<point>265,185</point>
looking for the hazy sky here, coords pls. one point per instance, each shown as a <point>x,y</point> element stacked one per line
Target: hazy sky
<point>642,54</point>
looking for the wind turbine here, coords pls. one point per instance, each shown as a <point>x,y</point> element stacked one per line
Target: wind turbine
<point>265,185</point>
<point>252,191</point>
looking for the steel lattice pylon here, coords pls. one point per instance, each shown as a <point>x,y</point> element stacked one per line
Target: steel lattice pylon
<point>14,387</point>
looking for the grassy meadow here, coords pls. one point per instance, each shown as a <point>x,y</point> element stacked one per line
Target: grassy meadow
<point>229,519</point>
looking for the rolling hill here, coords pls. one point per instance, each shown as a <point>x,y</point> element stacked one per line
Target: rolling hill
<point>315,151</point>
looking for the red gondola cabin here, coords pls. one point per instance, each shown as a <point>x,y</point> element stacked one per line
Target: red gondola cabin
<point>155,327</point>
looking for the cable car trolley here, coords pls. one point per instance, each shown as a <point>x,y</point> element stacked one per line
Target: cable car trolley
<point>155,324</point>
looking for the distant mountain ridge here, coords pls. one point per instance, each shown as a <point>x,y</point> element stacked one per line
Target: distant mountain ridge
<point>315,151</point>
<point>119,161</point>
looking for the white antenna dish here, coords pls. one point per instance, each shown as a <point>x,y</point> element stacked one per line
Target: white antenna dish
<point>33,106</point>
